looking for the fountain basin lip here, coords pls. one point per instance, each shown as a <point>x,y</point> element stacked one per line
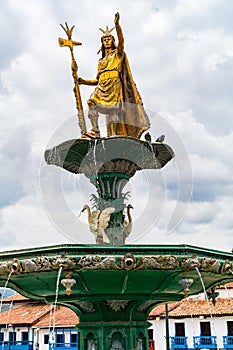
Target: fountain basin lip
<point>161,249</point>
<point>76,155</point>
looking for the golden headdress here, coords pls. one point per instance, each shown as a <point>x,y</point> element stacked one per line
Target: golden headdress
<point>106,32</point>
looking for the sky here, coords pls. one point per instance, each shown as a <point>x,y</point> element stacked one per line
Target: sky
<point>181,57</point>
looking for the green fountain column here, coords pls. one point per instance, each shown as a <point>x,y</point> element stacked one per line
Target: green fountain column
<point>112,335</point>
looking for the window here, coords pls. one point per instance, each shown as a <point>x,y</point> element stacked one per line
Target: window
<point>12,336</point>
<point>205,332</point>
<point>46,338</point>
<point>73,338</point>
<point>205,328</point>
<point>179,329</point>
<point>150,334</point>
<point>60,339</point>
<point>24,336</point>
<point>230,328</point>
<point>1,337</point>
<point>39,312</point>
<point>25,313</point>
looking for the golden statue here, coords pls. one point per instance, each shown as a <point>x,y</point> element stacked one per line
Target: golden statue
<point>115,94</point>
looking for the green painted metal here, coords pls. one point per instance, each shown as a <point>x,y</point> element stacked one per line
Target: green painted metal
<point>117,286</point>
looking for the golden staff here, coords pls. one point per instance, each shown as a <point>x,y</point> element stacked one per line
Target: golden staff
<point>74,67</point>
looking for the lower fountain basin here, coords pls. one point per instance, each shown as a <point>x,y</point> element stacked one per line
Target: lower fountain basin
<point>130,273</point>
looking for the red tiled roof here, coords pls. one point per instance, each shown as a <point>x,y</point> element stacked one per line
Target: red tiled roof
<point>26,314</point>
<point>195,308</point>
<point>36,313</point>
<point>64,317</point>
<point>159,311</point>
<point>14,297</point>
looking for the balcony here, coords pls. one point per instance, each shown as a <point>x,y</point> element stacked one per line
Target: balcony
<point>228,342</point>
<point>179,343</point>
<point>205,342</point>
<point>16,345</point>
<point>63,346</point>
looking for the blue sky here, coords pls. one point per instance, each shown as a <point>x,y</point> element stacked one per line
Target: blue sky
<point>181,56</point>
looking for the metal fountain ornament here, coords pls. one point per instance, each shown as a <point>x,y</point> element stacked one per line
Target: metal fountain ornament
<point>110,285</point>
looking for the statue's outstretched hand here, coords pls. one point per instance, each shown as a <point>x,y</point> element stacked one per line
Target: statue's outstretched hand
<point>117,18</point>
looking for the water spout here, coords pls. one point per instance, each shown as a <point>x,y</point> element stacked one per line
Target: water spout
<point>4,289</point>
<point>53,309</point>
<point>206,297</point>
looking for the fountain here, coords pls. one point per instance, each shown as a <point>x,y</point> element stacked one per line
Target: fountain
<point>112,286</point>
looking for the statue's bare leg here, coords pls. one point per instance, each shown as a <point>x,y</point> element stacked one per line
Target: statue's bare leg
<point>113,121</point>
<point>93,115</point>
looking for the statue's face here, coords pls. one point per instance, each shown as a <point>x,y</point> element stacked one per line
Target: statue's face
<point>107,41</point>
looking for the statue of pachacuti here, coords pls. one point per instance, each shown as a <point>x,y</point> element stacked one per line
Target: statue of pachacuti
<point>115,94</point>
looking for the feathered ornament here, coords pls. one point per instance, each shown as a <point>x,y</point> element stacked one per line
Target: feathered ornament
<point>106,32</point>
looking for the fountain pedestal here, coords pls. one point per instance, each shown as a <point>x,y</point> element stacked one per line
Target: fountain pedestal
<point>109,163</point>
<point>125,334</point>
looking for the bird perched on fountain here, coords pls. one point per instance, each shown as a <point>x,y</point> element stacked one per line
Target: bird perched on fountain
<point>160,138</point>
<point>148,137</point>
<point>98,222</point>
<point>127,225</point>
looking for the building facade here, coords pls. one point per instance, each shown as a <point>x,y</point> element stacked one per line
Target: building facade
<point>195,322</point>
<point>32,325</point>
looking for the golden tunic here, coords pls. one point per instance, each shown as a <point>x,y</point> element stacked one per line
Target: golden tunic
<point>108,92</point>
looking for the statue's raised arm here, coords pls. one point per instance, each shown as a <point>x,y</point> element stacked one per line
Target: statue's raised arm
<point>120,46</point>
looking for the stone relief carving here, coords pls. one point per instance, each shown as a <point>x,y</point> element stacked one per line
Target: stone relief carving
<point>159,262</point>
<point>5,268</point>
<point>126,262</point>
<point>190,263</point>
<point>43,263</point>
<point>63,261</point>
<point>89,262</point>
<point>116,305</point>
<point>30,265</point>
<point>226,267</point>
<point>86,306</point>
<point>209,264</point>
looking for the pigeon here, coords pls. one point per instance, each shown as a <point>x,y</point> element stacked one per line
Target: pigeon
<point>160,138</point>
<point>148,137</point>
